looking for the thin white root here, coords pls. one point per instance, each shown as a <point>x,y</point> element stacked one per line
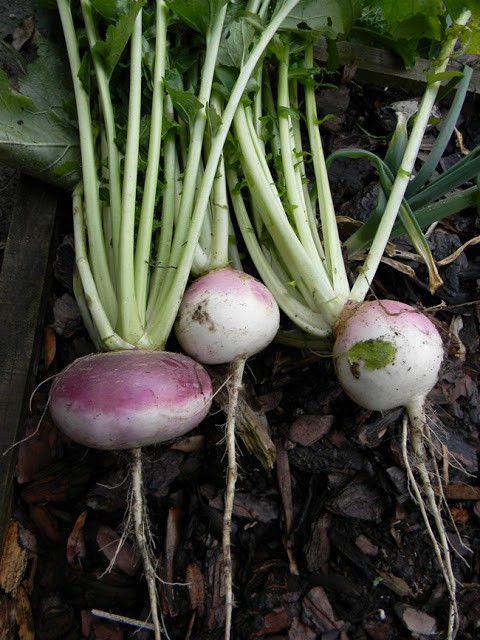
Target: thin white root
<point>414,426</point>
<point>143,537</point>
<point>234,385</point>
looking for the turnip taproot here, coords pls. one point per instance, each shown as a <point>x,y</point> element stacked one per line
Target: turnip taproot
<point>128,399</point>
<point>224,315</point>
<point>386,353</point>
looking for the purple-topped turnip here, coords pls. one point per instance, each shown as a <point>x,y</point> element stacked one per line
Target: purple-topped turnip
<point>129,399</point>
<point>388,354</point>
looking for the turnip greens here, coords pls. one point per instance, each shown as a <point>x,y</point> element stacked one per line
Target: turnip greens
<point>191,119</point>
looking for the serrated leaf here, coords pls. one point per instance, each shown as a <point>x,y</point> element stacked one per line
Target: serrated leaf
<point>185,103</point>
<point>235,44</point>
<point>110,50</point>
<point>374,353</point>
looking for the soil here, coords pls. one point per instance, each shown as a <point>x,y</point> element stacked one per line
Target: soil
<point>328,542</point>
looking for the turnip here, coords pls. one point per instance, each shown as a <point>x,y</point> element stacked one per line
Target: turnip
<point>279,205</point>
<point>226,316</point>
<point>142,123</point>
<point>388,354</point>
<point>130,399</point>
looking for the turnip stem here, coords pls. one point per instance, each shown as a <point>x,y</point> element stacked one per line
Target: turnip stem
<point>331,240</point>
<point>113,157</point>
<point>145,226</point>
<point>128,316</point>
<point>103,328</point>
<point>234,385</point>
<point>143,537</point>
<point>171,301</point>
<point>414,425</point>
<point>97,253</point>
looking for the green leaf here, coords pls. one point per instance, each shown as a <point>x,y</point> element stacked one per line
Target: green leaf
<point>375,353</point>
<point>185,103</point>
<point>236,44</point>
<point>330,18</point>
<point>37,133</point>
<point>110,50</point>
<point>197,14</point>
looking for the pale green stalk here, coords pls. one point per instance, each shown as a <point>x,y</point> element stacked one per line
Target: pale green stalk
<point>331,242</point>
<point>103,327</point>
<point>112,155</point>
<point>194,158</point>
<point>171,301</point>
<point>275,219</point>
<point>145,227</point>
<point>364,280</point>
<point>129,322</point>
<point>298,312</point>
<point>295,193</point>
<point>93,218</point>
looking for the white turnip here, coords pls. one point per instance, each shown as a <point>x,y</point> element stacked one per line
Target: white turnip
<point>129,399</point>
<point>224,315</point>
<point>388,354</point>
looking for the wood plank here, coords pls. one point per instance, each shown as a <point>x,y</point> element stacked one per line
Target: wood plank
<point>370,65</point>
<point>24,282</point>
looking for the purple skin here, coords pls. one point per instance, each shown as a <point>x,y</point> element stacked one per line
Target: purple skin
<point>224,315</point>
<point>129,399</point>
<point>416,365</point>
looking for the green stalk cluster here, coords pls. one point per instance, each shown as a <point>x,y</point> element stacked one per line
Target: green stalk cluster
<point>281,196</point>
<point>152,204</point>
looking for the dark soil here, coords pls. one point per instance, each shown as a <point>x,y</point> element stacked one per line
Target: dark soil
<point>328,542</point>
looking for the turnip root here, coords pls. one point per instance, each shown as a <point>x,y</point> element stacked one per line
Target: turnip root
<point>224,315</point>
<point>388,354</point>
<point>227,316</point>
<point>127,400</point>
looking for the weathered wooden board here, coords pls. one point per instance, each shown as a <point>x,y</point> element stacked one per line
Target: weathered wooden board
<point>24,281</point>
<point>369,65</point>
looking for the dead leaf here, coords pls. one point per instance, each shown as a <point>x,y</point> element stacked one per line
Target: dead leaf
<point>23,33</point>
<point>18,559</point>
<point>7,618</point>
<point>395,584</point>
<point>307,429</point>
<point>190,444</point>
<point>36,450</point>
<point>416,621</point>
<point>49,346</point>
<point>126,558</point>
<point>196,587</point>
<point>319,612</point>
<point>23,614</point>
<point>76,550</point>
